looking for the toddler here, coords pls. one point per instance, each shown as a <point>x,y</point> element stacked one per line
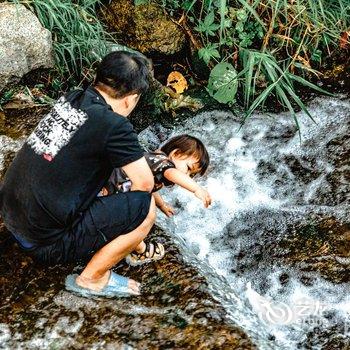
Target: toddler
<point>176,163</point>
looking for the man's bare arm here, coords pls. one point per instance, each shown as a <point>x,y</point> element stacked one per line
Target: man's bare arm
<point>140,175</point>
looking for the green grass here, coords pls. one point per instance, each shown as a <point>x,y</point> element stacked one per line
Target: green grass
<point>270,45</point>
<point>302,28</point>
<point>6,97</point>
<point>273,44</point>
<point>279,81</point>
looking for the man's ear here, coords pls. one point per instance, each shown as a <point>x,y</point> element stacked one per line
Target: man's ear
<point>131,100</point>
<point>126,101</point>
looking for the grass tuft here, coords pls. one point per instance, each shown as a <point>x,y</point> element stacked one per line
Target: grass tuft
<point>273,44</point>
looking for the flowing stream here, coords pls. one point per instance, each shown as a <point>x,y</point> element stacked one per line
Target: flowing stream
<point>260,245</point>
<point>265,181</point>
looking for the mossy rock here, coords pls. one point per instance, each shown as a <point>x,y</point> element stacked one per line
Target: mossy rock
<point>144,27</point>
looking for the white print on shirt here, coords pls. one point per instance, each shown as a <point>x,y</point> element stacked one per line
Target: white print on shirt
<point>56,129</point>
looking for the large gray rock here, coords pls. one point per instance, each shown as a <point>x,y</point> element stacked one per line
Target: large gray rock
<point>24,44</point>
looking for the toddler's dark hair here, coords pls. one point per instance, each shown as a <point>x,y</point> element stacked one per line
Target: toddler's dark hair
<point>188,146</point>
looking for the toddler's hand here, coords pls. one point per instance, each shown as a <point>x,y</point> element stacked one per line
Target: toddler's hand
<point>104,192</point>
<point>204,196</point>
<point>167,209</point>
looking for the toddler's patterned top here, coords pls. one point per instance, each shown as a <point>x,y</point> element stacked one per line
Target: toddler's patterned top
<point>157,161</point>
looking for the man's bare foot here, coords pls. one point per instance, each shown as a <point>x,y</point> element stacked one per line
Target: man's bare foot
<point>97,284</point>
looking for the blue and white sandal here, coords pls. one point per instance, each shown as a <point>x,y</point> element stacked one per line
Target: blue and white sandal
<point>117,286</point>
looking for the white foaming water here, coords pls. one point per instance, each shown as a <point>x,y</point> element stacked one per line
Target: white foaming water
<point>262,180</point>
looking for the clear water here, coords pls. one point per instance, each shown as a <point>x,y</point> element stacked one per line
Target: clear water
<point>263,179</point>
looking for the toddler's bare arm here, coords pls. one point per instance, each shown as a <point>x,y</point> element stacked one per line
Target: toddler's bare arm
<point>167,209</point>
<point>179,178</point>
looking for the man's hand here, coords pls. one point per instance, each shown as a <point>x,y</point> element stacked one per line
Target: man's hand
<point>204,196</point>
<point>167,209</point>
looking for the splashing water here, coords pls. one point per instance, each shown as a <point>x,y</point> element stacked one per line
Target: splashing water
<point>263,180</point>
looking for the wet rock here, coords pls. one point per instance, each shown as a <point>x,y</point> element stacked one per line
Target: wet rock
<point>144,27</point>
<point>316,244</point>
<point>150,109</point>
<point>24,44</point>
<point>338,150</point>
<point>319,173</point>
<point>323,247</point>
<point>282,255</point>
<point>175,310</point>
<point>302,168</point>
<point>8,158</point>
<point>336,78</point>
<point>19,118</point>
<point>281,131</point>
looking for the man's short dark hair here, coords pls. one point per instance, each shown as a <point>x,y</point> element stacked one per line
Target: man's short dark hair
<point>125,72</point>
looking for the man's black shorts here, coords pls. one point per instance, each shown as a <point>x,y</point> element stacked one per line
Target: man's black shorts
<point>107,218</point>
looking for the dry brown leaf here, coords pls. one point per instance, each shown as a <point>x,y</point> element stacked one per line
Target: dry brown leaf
<point>304,61</point>
<point>344,40</point>
<point>177,82</point>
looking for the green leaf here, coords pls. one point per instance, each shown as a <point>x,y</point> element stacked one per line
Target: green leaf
<point>140,2</point>
<point>259,100</point>
<point>308,84</point>
<point>223,82</point>
<point>209,19</point>
<point>245,4</point>
<point>187,5</point>
<point>222,12</point>
<point>241,15</point>
<point>208,52</point>
<point>227,23</point>
<point>214,26</point>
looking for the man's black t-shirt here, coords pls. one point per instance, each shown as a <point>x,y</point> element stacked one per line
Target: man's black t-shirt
<point>63,165</point>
